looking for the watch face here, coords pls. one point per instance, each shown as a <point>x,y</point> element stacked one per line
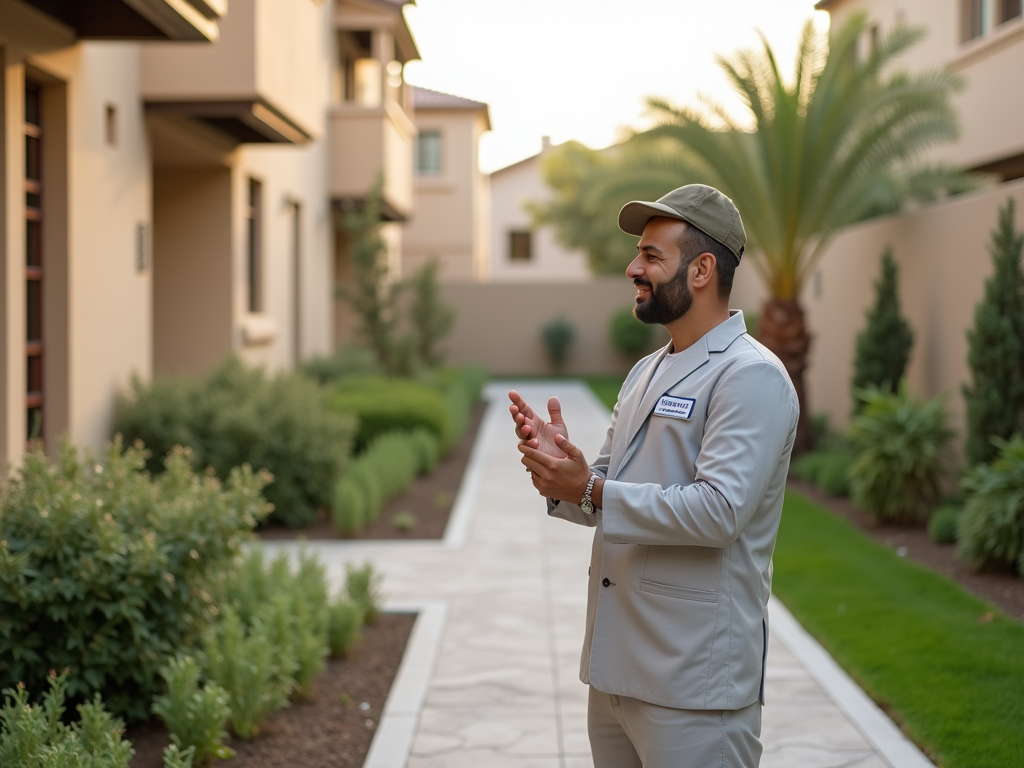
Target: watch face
<point>587,506</point>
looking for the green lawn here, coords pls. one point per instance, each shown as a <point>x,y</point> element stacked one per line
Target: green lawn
<point>606,387</point>
<point>915,641</point>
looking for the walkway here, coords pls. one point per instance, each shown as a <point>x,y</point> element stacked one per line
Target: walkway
<point>494,681</point>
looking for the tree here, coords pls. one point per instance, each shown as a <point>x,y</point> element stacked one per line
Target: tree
<point>842,141</point>
<point>883,347</point>
<point>374,295</point>
<point>995,398</point>
<point>430,319</point>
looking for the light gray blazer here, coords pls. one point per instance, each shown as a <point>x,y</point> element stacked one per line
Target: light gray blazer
<point>682,558</point>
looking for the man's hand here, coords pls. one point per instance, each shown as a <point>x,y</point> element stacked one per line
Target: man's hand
<point>533,431</point>
<point>560,478</point>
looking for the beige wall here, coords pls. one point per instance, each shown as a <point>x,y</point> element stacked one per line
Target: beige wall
<point>450,217</point>
<point>991,108</point>
<point>98,305</point>
<point>943,259</point>
<point>511,188</point>
<point>268,49</point>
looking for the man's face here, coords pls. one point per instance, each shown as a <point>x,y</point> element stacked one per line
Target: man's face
<point>660,274</point>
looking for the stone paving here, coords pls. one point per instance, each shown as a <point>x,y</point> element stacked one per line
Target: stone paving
<point>505,689</point>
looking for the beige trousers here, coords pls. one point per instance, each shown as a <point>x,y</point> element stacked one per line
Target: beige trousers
<point>629,733</point>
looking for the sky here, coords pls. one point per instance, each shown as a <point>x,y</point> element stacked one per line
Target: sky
<point>579,69</point>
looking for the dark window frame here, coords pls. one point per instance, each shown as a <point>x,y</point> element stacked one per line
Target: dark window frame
<point>35,381</point>
<point>520,246</point>
<point>254,246</point>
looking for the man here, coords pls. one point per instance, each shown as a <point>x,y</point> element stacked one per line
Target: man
<point>685,496</point>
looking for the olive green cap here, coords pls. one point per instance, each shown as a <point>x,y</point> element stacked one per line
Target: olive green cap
<point>698,204</point>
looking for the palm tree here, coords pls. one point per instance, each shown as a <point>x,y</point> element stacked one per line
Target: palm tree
<point>842,141</point>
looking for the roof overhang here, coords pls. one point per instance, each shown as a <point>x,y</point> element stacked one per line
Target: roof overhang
<point>137,19</point>
<point>388,212</point>
<point>823,5</point>
<point>248,121</point>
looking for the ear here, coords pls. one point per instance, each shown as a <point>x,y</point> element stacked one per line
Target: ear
<point>703,269</point>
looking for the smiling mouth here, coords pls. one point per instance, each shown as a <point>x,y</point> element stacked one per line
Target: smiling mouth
<point>642,292</point>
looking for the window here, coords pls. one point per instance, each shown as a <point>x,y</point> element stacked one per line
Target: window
<point>1009,9</point>
<point>972,19</point>
<point>428,153</point>
<point>520,245</point>
<point>254,260</point>
<point>33,260</point>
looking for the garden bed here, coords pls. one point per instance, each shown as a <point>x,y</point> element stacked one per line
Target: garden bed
<point>331,729</point>
<point>429,500</point>
<point>1004,590</point>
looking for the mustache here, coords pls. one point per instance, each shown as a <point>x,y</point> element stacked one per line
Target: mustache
<point>641,281</point>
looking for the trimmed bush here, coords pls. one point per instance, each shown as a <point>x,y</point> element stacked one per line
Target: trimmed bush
<point>828,469</point>
<point>389,405</point>
<point>109,572</point>
<point>942,525</point>
<point>900,445</point>
<point>462,392</point>
<point>629,336</point>
<point>349,361</point>
<point>381,472</point>
<point>362,584</point>
<point>238,415</point>
<point>344,620</point>
<point>991,529</point>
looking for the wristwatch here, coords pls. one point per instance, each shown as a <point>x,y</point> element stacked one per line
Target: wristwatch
<point>587,505</point>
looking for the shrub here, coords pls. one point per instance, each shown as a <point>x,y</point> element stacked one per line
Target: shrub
<point>245,664</point>
<point>362,583</point>
<point>828,469</point>
<point>237,415</point>
<point>995,398</point>
<point>194,716</point>
<point>883,347</point>
<point>176,758</point>
<point>942,525</point>
<point>34,736</point>
<point>462,392</point>
<point>348,361</point>
<point>991,529</point>
<point>558,336</point>
<point>900,445</point>
<point>383,471</point>
<point>387,405</point>
<point>344,619</point>
<point>404,521</point>
<point>427,450</point>
<point>628,335</point>
<point>109,572</point>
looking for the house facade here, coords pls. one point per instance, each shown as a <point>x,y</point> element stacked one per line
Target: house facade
<point>941,248</point>
<point>173,177</point>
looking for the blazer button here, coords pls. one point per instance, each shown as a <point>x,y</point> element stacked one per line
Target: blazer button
<point>605,581</point>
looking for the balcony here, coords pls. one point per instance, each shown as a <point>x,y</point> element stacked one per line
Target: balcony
<point>261,82</point>
<point>370,125</point>
<point>137,19</point>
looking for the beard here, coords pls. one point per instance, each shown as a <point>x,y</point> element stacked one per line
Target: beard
<point>669,302</point>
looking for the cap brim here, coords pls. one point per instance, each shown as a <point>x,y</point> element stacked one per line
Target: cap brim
<point>634,216</point>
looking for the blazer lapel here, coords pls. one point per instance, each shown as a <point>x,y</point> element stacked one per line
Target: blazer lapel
<point>690,360</point>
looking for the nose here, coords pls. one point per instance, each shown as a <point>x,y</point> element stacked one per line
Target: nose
<point>635,268</point>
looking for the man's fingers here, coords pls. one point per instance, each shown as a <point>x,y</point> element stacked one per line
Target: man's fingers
<point>570,450</point>
<point>554,411</point>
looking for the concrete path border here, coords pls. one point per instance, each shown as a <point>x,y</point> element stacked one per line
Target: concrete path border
<point>867,717</point>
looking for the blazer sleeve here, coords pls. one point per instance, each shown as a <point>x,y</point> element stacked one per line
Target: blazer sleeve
<point>750,427</point>
<point>572,512</point>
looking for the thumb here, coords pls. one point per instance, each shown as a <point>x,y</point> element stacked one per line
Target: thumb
<point>555,411</point>
<point>570,450</point>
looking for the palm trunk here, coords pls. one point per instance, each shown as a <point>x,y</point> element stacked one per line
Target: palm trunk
<point>782,329</point>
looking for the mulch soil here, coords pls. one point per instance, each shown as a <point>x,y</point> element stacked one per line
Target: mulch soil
<point>429,501</point>
<point>331,729</point>
<point>1003,590</point>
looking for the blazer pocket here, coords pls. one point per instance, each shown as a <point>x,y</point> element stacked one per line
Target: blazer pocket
<point>682,593</point>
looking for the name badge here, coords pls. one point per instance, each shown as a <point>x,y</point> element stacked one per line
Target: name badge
<point>675,407</point>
